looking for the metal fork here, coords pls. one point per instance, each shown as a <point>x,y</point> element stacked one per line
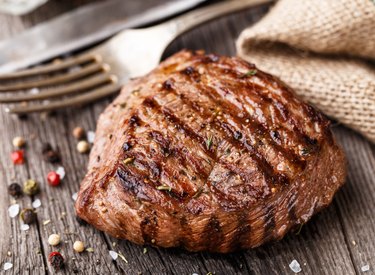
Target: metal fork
<point>101,71</point>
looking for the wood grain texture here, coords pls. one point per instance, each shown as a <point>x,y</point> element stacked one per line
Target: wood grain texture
<point>324,246</point>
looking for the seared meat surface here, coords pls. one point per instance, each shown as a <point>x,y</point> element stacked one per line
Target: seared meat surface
<point>208,153</point>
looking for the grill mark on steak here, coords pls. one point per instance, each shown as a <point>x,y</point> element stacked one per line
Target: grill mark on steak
<point>242,233</point>
<point>269,222</point>
<point>255,130</point>
<point>212,234</point>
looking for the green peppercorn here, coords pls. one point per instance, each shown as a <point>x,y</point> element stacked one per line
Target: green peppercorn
<point>15,190</point>
<point>30,187</point>
<point>28,216</point>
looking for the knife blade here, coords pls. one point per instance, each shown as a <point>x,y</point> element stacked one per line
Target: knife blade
<point>83,27</point>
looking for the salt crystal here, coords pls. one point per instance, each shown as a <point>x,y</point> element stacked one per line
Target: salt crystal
<point>25,227</point>
<point>74,196</point>
<point>14,210</point>
<point>113,254</point>
<point>295,267</point>
<point>90,136</point>
<point>365,268</point>
<point>8,266</point>
<point>61,172</point>
<point>195,274</point>
<point>37,203</point>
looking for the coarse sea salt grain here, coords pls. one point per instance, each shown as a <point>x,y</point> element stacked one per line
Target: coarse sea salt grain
<point>37,203</point>
<point>61,172</point>
<point>25,227</point>
<point>295,267</point>
<point>365,268</point>
<point>113,254</point>
<point>90,136</point>
<point>8,266</point>
<point>74,196</point>
<point>14,210</point>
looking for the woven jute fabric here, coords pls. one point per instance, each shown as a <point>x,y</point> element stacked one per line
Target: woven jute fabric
<point>325,50</point>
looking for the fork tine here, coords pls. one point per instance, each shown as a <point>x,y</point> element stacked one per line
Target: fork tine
<point>65,90</point>
<point>64,78</point>
<point>53,67</point>
<point>72,101</point>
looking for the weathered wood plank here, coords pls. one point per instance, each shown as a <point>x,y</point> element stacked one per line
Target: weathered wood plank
<point>324,245</point>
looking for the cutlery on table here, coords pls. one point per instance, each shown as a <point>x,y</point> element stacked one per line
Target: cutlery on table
<point>102,70</point>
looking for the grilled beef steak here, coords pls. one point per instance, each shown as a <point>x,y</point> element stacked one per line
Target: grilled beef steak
<point>208,153</point>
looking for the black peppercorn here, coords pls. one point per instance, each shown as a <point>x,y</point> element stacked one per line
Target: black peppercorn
<point>15,190</point>
<point>49,154</point>
<point>80,221</point>
<point>28,216</point>
<point>56,260</point>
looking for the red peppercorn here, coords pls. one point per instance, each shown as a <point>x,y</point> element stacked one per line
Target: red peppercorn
<point>56,260</point>
<point>53,178</point>
<point>18,157</point>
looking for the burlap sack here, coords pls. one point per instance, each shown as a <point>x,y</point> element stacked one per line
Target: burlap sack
<point>325,50</point>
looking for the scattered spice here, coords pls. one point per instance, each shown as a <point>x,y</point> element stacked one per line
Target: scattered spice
<point>78,246</point>
<point>249,73</point>
<point>54,239</point>
<point>164,188</point>
<point>49,154</point>
<point>90,136</point>
<point>37,203</point>
<point>145,250</point>
<point>53,178</point>
<point>8,266</point>
<point>128,160</point>
<point>74,196</point>
<point>295,266</point>
<point>19,142</point>
<point>79,133</point>
<point>14,210</point>
<point>90,249</point>
<point>46,222</point>
<point>123,257</point>
<point>30,187</point>
<point>18,157</point>
<point>209,142</point>
<point>61,172</point>
<point>83,147</point>
<point>25,227</point>
<point>113,254</point>
<point>28,216</point>
<point>15,190</point>
<point>56,260</point>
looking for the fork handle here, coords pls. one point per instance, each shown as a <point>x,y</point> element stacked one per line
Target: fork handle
<point>194,18</point>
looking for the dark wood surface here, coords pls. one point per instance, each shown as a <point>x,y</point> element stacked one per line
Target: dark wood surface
<point>339,240</point>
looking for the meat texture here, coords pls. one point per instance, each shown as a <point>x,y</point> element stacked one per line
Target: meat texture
<point>208,153</point>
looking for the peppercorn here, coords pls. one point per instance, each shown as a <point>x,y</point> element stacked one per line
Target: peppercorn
<point>18,142</point>
<point>80,221</point>
<point>79,133</point>
<point>49,154</point>
<point>28,216</point>
<point>78,246</point>
<point>83,147</point>
<point>30,187</point>
<point>53,178</point>
<point>56,260</point>
<point>15,190</point>
<point>18,157</point>
<point>54,239</point>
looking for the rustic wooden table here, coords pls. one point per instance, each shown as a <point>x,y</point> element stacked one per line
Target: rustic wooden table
<point>339,240</point>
